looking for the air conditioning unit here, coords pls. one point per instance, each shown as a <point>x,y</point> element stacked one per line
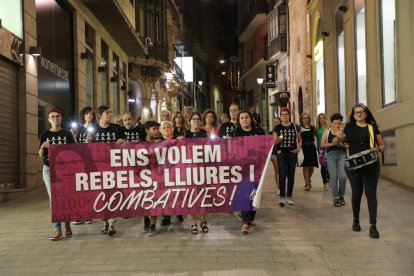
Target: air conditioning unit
<point>282,85</point>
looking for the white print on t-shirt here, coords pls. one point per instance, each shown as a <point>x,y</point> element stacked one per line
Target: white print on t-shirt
<point>57,140</point>
<point>289,138</point>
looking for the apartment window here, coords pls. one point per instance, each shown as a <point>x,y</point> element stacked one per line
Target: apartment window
<point>388,51</point>
<point>115,82</point>
<point>104,73</point>
<point>89,45</point>
<point>340,52</point>
<point>360,57</point>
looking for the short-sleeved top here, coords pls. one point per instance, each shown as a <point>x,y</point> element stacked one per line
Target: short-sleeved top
<point>60,137</point>
<point>83,133</point>
<point>329,140</point>
<point>289,141</point>
<point>253,132</point>
<point>110,134</point>
<point>358,137</point>
<point>133,134</point>
<point>319,134</point>
<point>200,134</point>
<point>227,129</point>
<point>307,135</point>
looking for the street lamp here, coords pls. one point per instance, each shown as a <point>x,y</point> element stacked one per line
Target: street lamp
<point>200,83</point>
<point>259,80</point>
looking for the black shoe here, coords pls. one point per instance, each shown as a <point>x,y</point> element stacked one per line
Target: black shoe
<point>152,230</point>
<point>166,221</point>
<point>373,232</point>
<point>105,229</point>
<point>337,202</point>
<point>111,231</point>
<point>355,226</point>
<point>180,218</point>
<point>342,201</point>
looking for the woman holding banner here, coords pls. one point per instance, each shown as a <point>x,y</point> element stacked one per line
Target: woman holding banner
<point>247,127</point>
<point>365,142</point>
<point>195,131</point>
<point>106,132</point>
<point>55,135</point>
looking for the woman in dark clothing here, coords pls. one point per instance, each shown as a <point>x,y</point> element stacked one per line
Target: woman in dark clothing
<point>362,133</point>
<point>247,127</point>
<point>195,131</point>
<point>310,160</point>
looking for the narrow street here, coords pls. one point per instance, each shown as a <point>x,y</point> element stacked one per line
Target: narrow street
<point>310,238</point>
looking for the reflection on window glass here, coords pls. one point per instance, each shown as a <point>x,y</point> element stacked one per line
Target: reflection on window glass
<point>388,50</point>
<point>341,74</point>
<point>361,57</point>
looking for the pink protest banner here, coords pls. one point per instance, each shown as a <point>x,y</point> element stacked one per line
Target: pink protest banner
<point>203,175</point>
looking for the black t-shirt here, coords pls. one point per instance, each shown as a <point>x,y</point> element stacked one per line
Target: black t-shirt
<point>227,129</point>
<point>358,137</point>
<point>289,141</point>
<point>178,132</point>
<point>110,134</point>
<point>201,134</point>
<point>133,134</point>
<point>253,132</point>
<point>82,133</point>
<point>55,138</point>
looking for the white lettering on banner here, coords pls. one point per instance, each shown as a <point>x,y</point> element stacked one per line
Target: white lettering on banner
<point>205,197</point>
<point>128,157</point>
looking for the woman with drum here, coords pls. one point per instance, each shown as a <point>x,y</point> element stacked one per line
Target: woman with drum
<point>335,159</point>
<point>362,165</point>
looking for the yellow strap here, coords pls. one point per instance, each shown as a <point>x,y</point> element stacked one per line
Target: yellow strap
<point>371,136</point>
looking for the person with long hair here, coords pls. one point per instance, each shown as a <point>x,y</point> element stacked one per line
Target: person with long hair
<point>276,122</point>
<point>310,158</point>
<point>54,136</point>
<point>179,124</point>
<point>335,157</point>
<point>362,134</point>
<point>322,125</point>
<point>196,131</point>
<point>288,143</point>
<point>247,127</point>
<point>210,123</point>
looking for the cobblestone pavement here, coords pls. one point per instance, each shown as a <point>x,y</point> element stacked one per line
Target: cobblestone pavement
<point>310,238</point>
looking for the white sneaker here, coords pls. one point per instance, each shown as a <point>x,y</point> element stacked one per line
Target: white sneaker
<point>278,191</point>
<point>289,201</point>
<point>282,202</point>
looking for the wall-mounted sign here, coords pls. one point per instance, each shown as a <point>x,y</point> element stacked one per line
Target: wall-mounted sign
<point>282,98</point>
<point>11,46</point>
<point>270,76</point>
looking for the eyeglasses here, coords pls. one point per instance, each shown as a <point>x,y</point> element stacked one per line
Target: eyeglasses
<point>54,116</point>
<point>284,114</point>
<point>359,112</point>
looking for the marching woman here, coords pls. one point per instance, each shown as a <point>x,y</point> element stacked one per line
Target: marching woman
<point>195,131</point>
<point>322,126</point>
<point>288,143</point>
<point>276,122</point>
<point>310,158</point>
<point>105,131</point>
<point>247,127</point>
<point>55,135</point>
<point>178,124</point>
<point>335,158</point>
<point>363,136</point>
<point>210,123</point>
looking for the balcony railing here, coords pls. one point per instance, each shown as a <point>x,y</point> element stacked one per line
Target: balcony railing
<point>178,73</point>
<point>259,6</point>
<point>278,45</point>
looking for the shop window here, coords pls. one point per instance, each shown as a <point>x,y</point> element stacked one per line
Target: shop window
<point>340,51</point>
<point>361,67</point>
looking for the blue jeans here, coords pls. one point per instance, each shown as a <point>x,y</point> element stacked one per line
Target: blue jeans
<point>46,179</point>
<point>336,168</point>
<point>287,166</point>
